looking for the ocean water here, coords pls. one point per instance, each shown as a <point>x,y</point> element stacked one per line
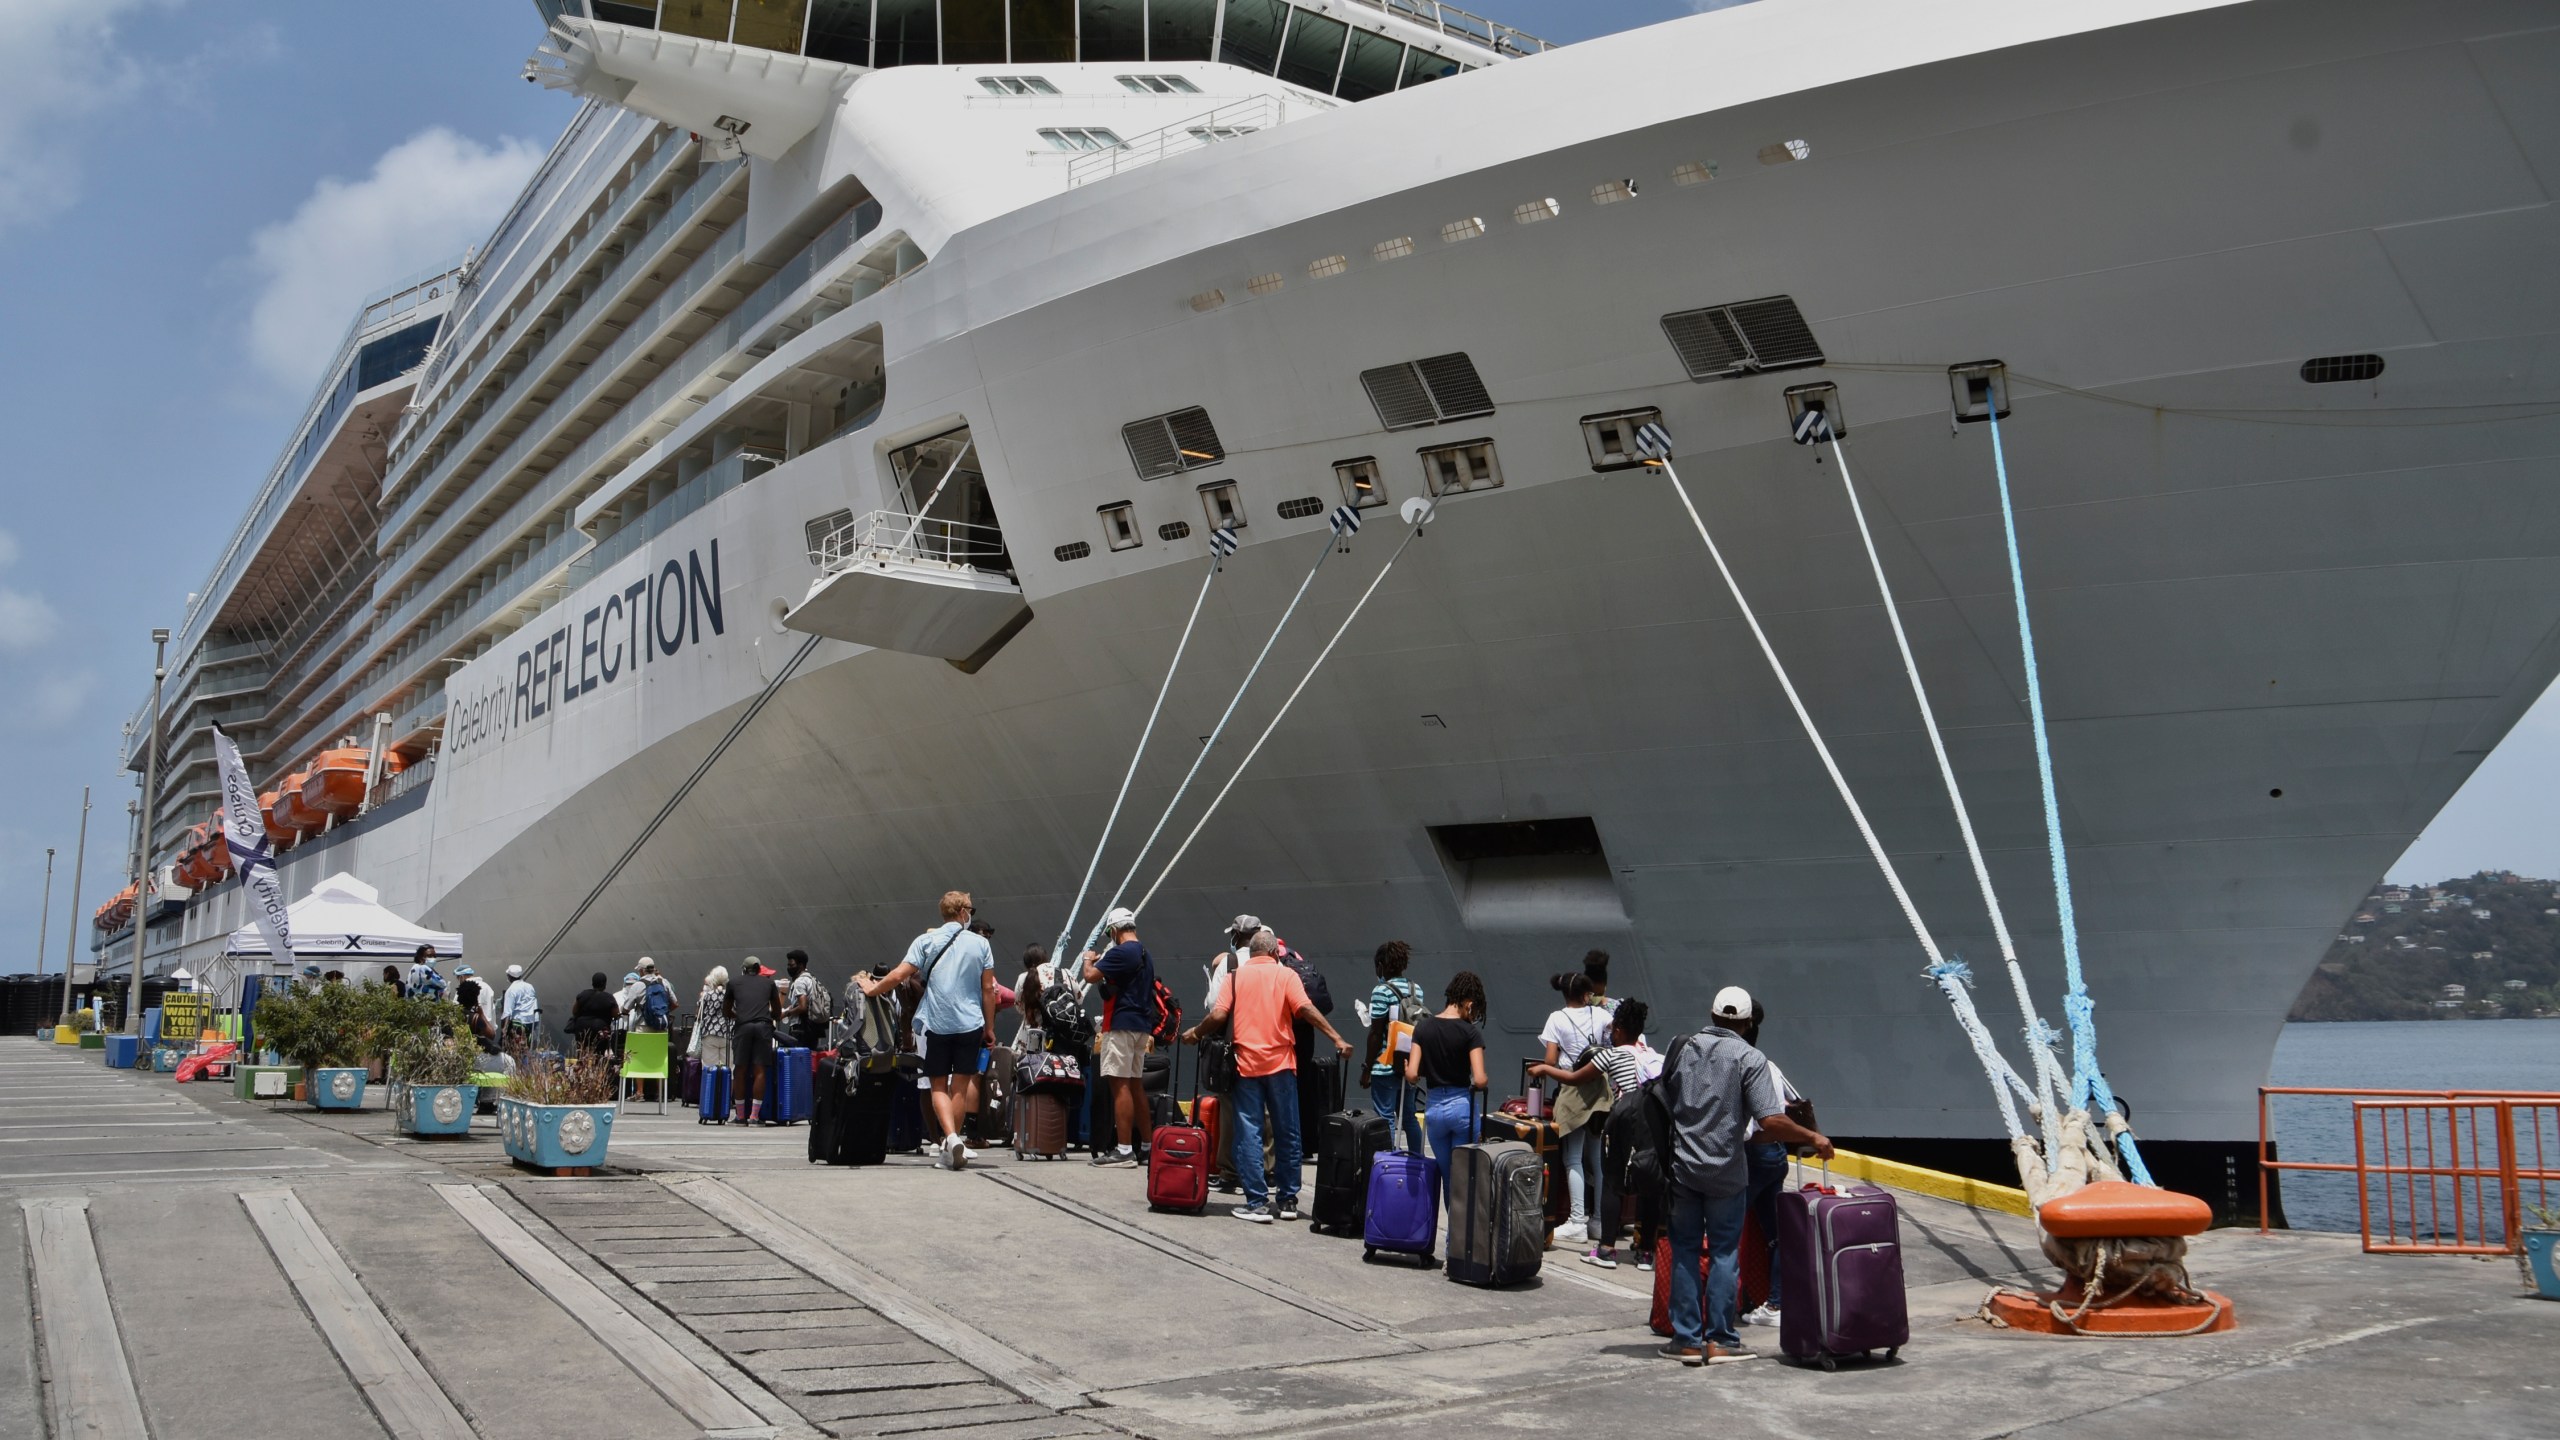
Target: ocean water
<point>2408,1055</point>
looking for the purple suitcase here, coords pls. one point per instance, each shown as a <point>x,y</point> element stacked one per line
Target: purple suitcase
<point>1840,1271</point>
<point>1403,1204</point>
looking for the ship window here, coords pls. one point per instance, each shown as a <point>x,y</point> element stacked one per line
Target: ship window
<point>907,34</point>
<point>1265,284</point>
<point>702,19</point>
<point>1173,530</point>
<point>1016,85</point>
<point>1111,30</point>
<point>1080,137</point>
<point>1300,508</point>
<point>1370,65</point>
<point>1612,192</point>
<point>771,24</point>
<point>1120,526</point>
<point>1328,267</point>
<point>1043,31</point>
<point>1212,134</point>
<point>614,12</point>
<point>1530,212</point>
<point>1457,230</point>
<point>1456,469</point>
<point>1251,36</point>
<point>1180,29</point>
<point>1170,444</point>
<point>1611,439</point>
<point>1395,249</point>
<point>2333,369</point>
<point>1692,172</point>
<point>840,30</point>
<point>821,532</point>
<point>1362,485</point>
<point>1218,500</point>
<point>1722,341</point>
<point>1072,550</point>
<point>1159,85</point>
<point>1426,392</point>
<point>1313,56</point>
<point>1785,152</point>
<point>973,32</point>
<point>1422,67</point>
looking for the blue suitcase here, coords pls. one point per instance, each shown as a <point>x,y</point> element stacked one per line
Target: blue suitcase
<point>715,1096</point>
<point>786,1086</point>
<point>1403,1205</point>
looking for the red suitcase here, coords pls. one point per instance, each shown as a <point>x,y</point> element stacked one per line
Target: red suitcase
<point>1178,1165</point>
<point>1754,1276</point>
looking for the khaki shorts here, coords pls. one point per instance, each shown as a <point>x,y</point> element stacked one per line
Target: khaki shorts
<point>1124,1054</point>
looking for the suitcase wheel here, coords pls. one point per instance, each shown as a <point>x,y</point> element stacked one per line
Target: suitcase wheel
<point>1894,1353</point>
<point>1368,1253</point>
<point>1829,1363</point>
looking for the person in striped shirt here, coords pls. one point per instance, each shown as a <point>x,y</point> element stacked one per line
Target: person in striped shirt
<point>1394,1000</point>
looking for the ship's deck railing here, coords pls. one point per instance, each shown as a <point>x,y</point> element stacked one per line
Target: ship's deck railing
<point>1227,122</point>
<point>1463,24</point>
<point>2438,1172</point>
<point>894,535</point>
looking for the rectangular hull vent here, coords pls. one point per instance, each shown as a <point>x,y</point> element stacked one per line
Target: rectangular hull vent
<point>1416,393</point>
<point>1723,341</point>
<point>1530,875</point>
<point>1164,445</point>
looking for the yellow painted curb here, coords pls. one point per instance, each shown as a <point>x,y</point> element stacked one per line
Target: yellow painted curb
<point>1980,1194</point>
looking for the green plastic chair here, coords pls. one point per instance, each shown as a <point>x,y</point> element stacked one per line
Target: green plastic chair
<point>644,1057</point>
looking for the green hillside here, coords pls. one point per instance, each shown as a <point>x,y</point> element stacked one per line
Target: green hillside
<point>2483,947</point>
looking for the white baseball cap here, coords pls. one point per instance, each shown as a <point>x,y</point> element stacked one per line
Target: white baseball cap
<point>515,972</point>
<point>1733,1003</point>
<point>1121,918</point>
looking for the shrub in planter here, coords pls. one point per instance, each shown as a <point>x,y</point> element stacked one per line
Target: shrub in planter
<point>432,1090</point>
<point>558,1111</point>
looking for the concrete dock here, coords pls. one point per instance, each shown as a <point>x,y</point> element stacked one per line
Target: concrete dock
<point>190,1264</point>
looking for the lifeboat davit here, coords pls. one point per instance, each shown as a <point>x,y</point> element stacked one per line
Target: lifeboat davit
<point>290,810</point>
<point>278,832</point>
<point>335,784</point>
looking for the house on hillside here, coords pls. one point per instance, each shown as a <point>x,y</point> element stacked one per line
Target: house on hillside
<point>2455,992</point>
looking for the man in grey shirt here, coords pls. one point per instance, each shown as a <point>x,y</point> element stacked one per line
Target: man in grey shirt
<point>1714,1085</point>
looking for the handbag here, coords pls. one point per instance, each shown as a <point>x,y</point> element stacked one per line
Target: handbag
<point>1047,1072</point>
<point>1218,1065</point>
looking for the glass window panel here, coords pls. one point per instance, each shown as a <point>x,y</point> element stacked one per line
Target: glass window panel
<point>708,19</point>
<point>1314,51</point>
<point>972,32</point>
<point>1252,34</point>
<point>1371,66</point>
<point>1113,30</point>
<point>840,30</point>
<point>1421,65</point>
<point>905,34</point>
<point>1180,29</point>
<point>771,24</point>
<point>642,13</point>
<point>1043,31</point>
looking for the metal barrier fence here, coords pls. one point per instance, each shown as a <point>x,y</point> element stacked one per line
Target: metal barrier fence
<point>2438,1172</point>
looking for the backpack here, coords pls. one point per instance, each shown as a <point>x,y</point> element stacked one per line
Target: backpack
<point>1062,1014</point>
<point>655,1004</point>
<point>1646,1125</point>
<point>1168,1018</point>
<point>821,1004</point>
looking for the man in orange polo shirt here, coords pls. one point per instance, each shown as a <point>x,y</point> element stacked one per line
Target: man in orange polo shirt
<point>1259,1001</point>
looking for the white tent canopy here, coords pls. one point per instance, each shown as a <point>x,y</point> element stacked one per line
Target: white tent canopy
<point>343,918</point>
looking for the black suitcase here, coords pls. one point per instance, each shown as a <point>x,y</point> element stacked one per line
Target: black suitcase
<point>1350,1142</point>
<point>1497,1213</point>
<point>827,1112</point>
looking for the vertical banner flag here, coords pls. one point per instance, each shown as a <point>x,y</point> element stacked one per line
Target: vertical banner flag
<point>244,831</point>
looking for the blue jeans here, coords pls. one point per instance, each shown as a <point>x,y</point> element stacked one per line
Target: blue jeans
<point>1449,1118</point>
<point>1278,1096</point>
<point>1383,1094</point>
<point>1714,1222</point>
<point>1768,1176</point>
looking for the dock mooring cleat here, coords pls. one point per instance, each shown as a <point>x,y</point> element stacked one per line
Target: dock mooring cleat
<point>2122,1250</point>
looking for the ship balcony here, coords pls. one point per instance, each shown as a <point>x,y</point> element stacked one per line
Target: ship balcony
<point>915,584</point>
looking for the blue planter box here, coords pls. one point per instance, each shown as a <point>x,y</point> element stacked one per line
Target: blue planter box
<point>165,1058</point>
<point>433,1109</point>
<point>555,1137</point>
<point>2539,1248</point>
<point>338,1089</point>
<point>121,1050</point>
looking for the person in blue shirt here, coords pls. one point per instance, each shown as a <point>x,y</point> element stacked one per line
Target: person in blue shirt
<point>1127,975</point>
<point>957,1014</point>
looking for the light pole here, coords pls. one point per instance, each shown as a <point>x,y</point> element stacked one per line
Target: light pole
<point>142,844</point>
<point>71,944</point>
<point>44,912</point>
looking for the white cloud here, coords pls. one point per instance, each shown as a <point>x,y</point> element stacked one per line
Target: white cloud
<point>59,64</point>
<point>53,701</point>
<point>26,621</point>
<point>8,549</point>
<point>428,199</point>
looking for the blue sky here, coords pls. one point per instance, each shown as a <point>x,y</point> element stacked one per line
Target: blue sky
<point>194,195</point>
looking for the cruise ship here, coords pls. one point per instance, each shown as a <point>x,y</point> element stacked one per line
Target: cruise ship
<point>815,472</point>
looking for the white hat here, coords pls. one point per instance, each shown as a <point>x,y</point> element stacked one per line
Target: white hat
<point>647,965</point>
<point>1244,925</point>
<point>1121,918</point>
<point>515,972</point>
<point>1733,1003</point>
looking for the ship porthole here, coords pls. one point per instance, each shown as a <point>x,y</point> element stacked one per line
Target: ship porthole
<point>2276,794</point>
<point>781,609</point>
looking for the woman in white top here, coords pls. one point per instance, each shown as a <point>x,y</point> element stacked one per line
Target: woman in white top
<point>1573,1035</point>
<point>1626,1064</point>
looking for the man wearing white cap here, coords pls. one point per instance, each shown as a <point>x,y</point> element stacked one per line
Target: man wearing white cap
<point>521,1010</point>
<point>1715,1085</point>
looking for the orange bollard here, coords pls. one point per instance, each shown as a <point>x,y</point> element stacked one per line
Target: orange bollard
<point>2122,1249</point>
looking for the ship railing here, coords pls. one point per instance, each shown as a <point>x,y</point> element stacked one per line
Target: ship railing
<point>1232,121</point>
<point>1463,24</point>
<point>2437,1172</point>
<point>884,536</point>
<point>395,786</point>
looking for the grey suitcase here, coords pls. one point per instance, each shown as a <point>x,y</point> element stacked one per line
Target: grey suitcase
<point>1497,1213</point>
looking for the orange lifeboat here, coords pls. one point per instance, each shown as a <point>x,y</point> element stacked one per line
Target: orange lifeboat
<point>277,831</point>
<point>290,810</point>
<point>335,785</point>
<point>216,859</point>
<point>191,865</point>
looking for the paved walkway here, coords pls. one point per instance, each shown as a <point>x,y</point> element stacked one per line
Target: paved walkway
<point>195,1264</point>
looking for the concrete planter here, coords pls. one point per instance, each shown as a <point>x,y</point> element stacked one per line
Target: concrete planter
<point>2542,1257</point>
<point>555,1137</point>
<point>265,1082</point>
<point>338,1088</point>
<point>433,1109</point>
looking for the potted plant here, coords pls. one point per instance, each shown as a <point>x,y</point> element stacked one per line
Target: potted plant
<point>323,1029</point>
<point>2541,1258</point>
<point>557,1113</point>
<point>432,1092</point>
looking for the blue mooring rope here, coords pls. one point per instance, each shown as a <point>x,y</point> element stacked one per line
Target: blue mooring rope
<point>2079,1011</point>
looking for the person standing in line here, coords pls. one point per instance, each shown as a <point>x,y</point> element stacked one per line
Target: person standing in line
<point>521,1011</point>
<point>1713,1085</point>
<point>712,1026</point>
<point>956,1013</point>
<point>1768,1166</point>
<point>1127,975</point>
<point>1625,1065</point>
<point>1222,1139</point>
<point>1260,1002</point>
<point>1447,1066</point>
<point>1317,1074</point>
<point>625,999</point>
<point>391,979</point>
<point>804,1005</point>
<point>473,997</point>
<point>654,1008</point>
<point>424,979</point>
<point>753,1006</point>
<point>1394,1001</point>
<point>593,1017</point>
<point>1571,1035</point>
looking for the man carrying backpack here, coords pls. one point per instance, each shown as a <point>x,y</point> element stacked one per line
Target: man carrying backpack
<point>805,1005</point>
<point>1713,1086</point>
<point>1127,975</point>
<point>656,1006</point>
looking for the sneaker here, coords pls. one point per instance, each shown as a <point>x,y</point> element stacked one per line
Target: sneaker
<point>1644,1263</point>
<point>1288,1210</point>
<point>1257,1214</point>
<point>1765,1315</point>
<point>955,1153</point>
<point>1572,1234</point>
<point>1728,1354</point>
<point>1685,1354</point>
<point>1605,1259</point>
<point>1113,1158</point>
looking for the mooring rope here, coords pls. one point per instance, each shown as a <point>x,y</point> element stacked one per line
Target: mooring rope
<point>1222,543</point>
<point>2090,1088</point>
<point>1419,518</point>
